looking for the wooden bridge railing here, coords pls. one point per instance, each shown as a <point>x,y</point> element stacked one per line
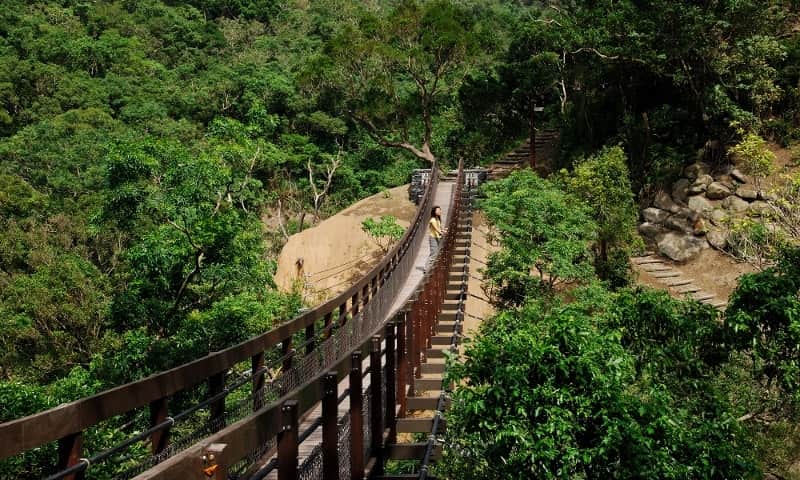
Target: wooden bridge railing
<point>395,350</point>
<point>324,332</point>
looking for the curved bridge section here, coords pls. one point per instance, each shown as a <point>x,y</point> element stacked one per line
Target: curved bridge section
<point>339,373</point>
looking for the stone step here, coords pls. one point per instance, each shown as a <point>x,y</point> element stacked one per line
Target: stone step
<point>719,305</point>
<point>426,402</point>
<point>418,425</point>
<point>447,328</point>
<point>432,368</point>
<point>678,283</point>
<point>410,451</point>
<point>647,261</point>
<point>427,384</point>
<point>666,275</point>
<point>688,289</point>
<point>703,296</point>
<point>436,352</point>
<point>441,340</point>
<point>657,269</point>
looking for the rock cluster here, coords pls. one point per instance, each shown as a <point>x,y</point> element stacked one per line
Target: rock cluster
<point>697,211</point>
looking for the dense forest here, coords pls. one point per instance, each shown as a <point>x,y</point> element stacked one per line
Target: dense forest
<point>155,155</point>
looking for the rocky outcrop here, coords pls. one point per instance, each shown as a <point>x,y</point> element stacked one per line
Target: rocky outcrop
<point>697,211</point>
<point>680,247</point>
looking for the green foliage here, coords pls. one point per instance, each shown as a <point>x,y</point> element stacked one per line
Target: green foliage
<point>763,318</point>
<point>552,393</point>
<point>602,182</point>
<point>541,228</point>
<point>752,156</point>
<point>384,232</point>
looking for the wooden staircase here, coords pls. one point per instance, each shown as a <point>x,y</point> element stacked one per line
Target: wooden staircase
<point>427,399</point>
<point>546,150</point>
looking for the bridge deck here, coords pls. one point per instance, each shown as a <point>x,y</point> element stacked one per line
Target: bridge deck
<point>444,192</point>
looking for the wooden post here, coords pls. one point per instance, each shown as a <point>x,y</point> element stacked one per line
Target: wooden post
<point>310,342</point>
<point>356,419</point>
<point>330,427</point>
<point>158,414</point>
<point>419,342</point>
<point>376,413</point>
<point>287,442</point>
<point>257,364</point>
<point>287,353</point>
<point>329,320</point>
<point>355,305</point>
<point>391,378</point>
<point>69,454</point>
<point>216,384</point>
<point>402,362</point>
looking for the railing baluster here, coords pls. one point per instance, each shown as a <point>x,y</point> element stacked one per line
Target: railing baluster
<point>354,304</point>
<point>69,454</point>
<point>158,414</point>
<point>391,378</point>
<point>256,365</point>
<point>330,427</point>
<point>356,419</point>
<point>287,353</point>
<point>287,442</point>
<point>311,344</point>
<point>376,413</point>
<point>216,384</point>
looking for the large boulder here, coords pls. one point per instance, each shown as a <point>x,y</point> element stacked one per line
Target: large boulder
<point>680,190</point>
<point>700,204</point>
<point>719,217</point>
<point>759,208</point>
<point>747,193</point>
<point>766,196</point>
<point>654,215</point>
<point>679,224</point>
<point>651,230</point>
<point>717,191</point>
<point>735,205</point>
<point>680,247</point>
<point>665,202</point>
<point>696,169</point>
<point>717,238</point>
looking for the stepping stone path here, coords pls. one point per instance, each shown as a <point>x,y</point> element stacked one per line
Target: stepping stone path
<point>666,273</point>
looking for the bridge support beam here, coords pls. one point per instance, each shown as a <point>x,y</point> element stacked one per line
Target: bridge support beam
<point>330,427</point>
<point>287,442</point>
<point>356,419</point>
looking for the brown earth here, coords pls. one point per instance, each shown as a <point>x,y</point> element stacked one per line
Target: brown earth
<point>336,252</point>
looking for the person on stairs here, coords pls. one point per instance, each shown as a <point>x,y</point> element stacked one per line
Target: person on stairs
<point>436,232</point>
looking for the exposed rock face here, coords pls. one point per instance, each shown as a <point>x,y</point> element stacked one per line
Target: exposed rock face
<point>746,193</point>
<point>655,215</point>
<point>700,204</point>
<point>717,191</point>
<point>735,204</point>
<point>680,247</point>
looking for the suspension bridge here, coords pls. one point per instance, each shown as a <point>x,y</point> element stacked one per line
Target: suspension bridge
<point>327,395</point>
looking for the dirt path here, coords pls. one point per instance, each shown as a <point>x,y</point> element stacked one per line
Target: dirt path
<point>336,252</point>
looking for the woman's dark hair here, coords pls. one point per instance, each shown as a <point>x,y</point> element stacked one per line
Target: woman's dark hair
<point>433,213</point>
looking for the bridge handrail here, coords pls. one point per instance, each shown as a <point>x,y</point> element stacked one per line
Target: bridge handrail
<point>72,418</point>
<point>414,324</point>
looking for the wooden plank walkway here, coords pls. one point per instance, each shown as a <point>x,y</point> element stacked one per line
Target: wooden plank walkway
<point>442,196</point>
